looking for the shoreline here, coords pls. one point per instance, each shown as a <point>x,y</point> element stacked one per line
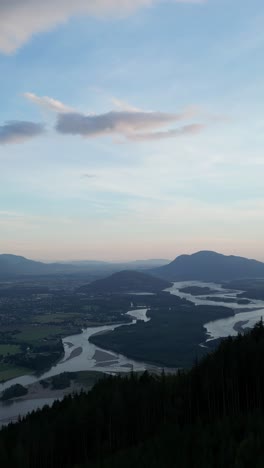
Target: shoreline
<point>130,356</point>
<point>28,372</point>
<point>37,392</point>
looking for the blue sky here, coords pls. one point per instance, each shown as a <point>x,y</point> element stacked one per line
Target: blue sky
<point>131,128</point>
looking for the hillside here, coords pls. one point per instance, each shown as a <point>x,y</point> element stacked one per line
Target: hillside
<point>126,281</point>
<point>211,416</point>
<point>12,266</point>
<point>209,266</point>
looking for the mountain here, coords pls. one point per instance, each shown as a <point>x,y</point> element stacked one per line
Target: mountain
<point>203,266</point>
<point>14,265</point>
<point>106,268</point>
<point>126,281</point>
<point>209,266</point>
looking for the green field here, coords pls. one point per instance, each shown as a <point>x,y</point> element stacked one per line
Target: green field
<point>9,372</point>
<point>6,349</point>
<point>15,363</point>
<point>56,318</point>
<point>31,333</point>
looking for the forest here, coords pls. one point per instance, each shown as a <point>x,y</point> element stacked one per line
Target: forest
<point>210,416</point>
<point>171,338</point>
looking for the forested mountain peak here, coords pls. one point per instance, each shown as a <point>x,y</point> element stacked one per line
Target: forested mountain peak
<point>210,266</point>
<point>127,281</point>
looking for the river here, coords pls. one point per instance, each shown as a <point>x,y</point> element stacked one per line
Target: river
<point>86,358</point>
<point>246,315</point>
<point>80,354</point>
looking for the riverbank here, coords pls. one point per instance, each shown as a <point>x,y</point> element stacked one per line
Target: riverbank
<point>86,356</point>
<point>36,391</point>
<point>77,382</point>
<point>69,352</point>
<point>44,393</point>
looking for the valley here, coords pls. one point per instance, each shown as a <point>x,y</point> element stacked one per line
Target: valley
<point>117,333</point>
<point>54,325</point>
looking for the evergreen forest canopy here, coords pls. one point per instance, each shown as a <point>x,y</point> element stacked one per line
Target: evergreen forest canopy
<point>172,336</point>
<point>210,416</point>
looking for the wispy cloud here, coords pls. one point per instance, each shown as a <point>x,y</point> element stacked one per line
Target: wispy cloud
<point>19,131</point>
<point>21,19</point>
<point>48,103</point>
<point>124,106</point>
<point>175,132</point>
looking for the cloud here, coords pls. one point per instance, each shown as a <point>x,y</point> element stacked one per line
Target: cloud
<point>184,130</point>
<point>21,19</point>
<point>127,121</point>
<point>18,131</point>
<point>132,125</point>
<point>48,103</point>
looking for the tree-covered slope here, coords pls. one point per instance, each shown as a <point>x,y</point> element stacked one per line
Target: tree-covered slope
<point>126,281</point>
<point>211,416</point>
<point>210,266</point>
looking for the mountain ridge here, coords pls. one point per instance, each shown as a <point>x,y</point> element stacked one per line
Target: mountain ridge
<point>207,265</point>
<point>17,265</point>
<point>204,265</point>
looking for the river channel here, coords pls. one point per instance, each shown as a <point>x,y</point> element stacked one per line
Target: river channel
<point>80,354</point>
<point>246,316</point>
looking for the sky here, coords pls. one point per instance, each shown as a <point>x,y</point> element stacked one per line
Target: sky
<point>131,128</point>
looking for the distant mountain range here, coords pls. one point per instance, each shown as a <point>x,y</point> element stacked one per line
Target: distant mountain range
<point>203,266</point>
<point>15,266</point>
<point>125,282</point>
<point>209,266</point>
<point>132,265</point>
